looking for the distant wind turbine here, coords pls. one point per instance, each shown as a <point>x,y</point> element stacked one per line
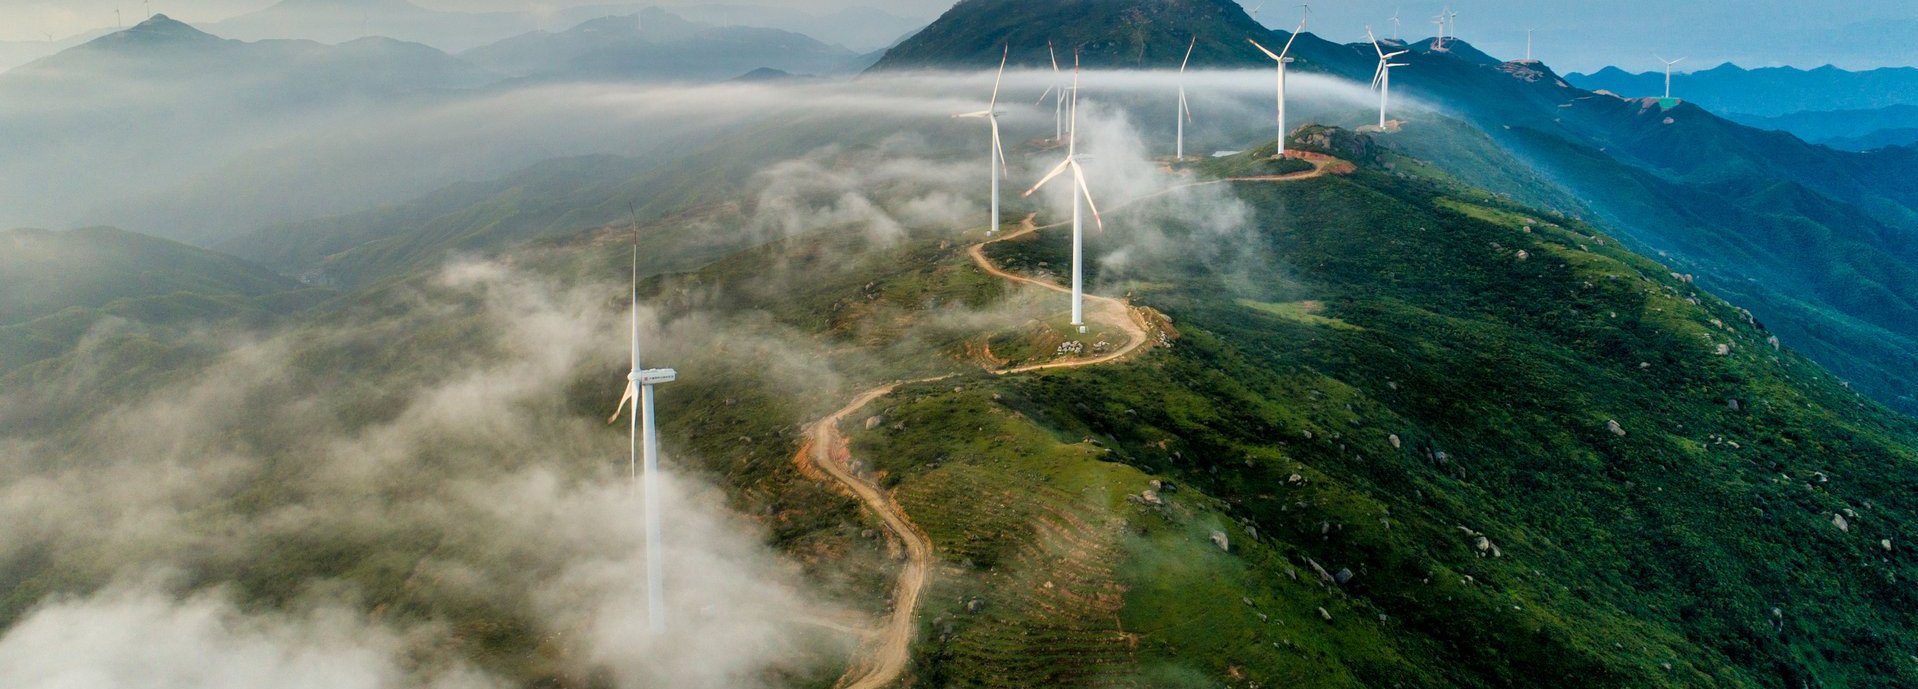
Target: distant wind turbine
<point>1280,59</point>
<point>1185,111</point>
<point>1058,93</point>
<point>991,116</point>
<point>1382,79</point>
<point>1255,12</point>
<point>1528,45</point>
<point>1438,42</point>
<point>117,23</point>
<point>1668,73</point>
<point>1395,24</point>
<point>1079,191</point>
<point>644,437</point>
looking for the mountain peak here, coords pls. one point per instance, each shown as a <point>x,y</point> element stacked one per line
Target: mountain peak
<point>157,30</point>
<point>1107,33</point>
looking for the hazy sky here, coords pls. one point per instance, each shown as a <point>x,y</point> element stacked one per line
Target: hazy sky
<point>1571,34</point>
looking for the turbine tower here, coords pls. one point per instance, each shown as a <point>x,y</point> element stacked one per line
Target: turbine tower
<point>991,116</point>
<point>1079,191</point>
<point>1382,79</point>
<point>644,438</point>
<point>1668,73</point>
<point>1528,45</point>
<point>1185,111</point>
<point>1280,59</point>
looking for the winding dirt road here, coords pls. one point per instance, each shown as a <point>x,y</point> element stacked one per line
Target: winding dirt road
<point>826,449</point>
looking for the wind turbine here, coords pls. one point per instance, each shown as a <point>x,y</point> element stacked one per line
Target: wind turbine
<point>991,116</point>
<point>117,23</point>
<point>644,438</point>
<point>1079,190</point>
<point>1438,42</point>
<point>1668,73</point>
<point>1395,24</point>
<point>1185,111</point>
<point>1280,59</point>
<point>1058,93</point>
<point>1255,13</point>
<point>1382,79</point>
<point>1528,45</point>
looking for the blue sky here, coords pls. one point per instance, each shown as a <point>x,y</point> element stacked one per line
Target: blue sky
<point>1571,34</point>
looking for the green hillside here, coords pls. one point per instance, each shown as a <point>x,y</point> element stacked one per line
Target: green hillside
<point>56,287</point>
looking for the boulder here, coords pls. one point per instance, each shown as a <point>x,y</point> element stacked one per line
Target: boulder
<point>873,421</point>
<point>1344,575</point>
<point>1394,439</point>
<point>976,606</point>
<point>1219,539</point>
<point>1324,614</point>
<point>1616,429</point>
<point>1839,521</point>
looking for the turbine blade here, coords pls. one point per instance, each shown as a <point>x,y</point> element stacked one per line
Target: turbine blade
<point>1072,144</point>
<point>1188,54</point>
<point>1287,50</point>
<point>1079,176</point>
<point>1055,57</point>
<point>631,391</point>
<point>1049,176</point>
<point>1042,96</point>
<point>1389,56</point>
<point>1003,170</point>
<point>1262,49</point>
<point>995,80</point>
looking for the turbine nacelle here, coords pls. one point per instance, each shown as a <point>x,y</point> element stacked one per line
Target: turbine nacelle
<point>653,376</point>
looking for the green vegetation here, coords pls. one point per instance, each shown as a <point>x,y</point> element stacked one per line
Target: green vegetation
<point>1488,351</point>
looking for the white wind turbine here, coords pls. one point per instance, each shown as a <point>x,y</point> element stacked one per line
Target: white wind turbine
<point>1079,191</point>
<point>1382,79</point>
<point>1185,111</point>
<point>1438,42</point>
<point>991,116</point>
<point>1281,59</point>
<point>1395,24</point>
<point>1058,93</point>
<point>644,438</point>
<point>1668,73</point>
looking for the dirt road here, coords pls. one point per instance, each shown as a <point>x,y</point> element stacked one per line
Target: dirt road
<point>887,656</point>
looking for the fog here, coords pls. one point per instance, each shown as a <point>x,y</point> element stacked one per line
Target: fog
<point>202,172</point>
<point>394,492</point>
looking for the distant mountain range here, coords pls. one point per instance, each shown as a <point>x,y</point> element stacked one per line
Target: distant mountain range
<point>1768,91</point>
<point>1851,130</point>
<point>657,45</point>
<point>336,21</point>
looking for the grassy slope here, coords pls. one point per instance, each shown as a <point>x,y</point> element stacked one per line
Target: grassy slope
<point>56,287</point>
<point>1618,555</point>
